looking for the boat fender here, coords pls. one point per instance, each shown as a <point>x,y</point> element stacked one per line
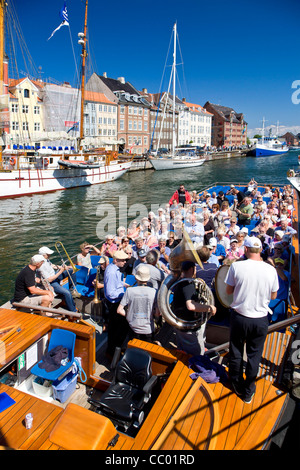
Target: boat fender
<point>12,161</point>
<point>46,161</point>
<point>291,173</point>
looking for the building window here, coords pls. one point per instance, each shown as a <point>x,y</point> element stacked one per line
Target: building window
<point>14,108</point>
<point>15,126</point>
<point>37,126</point>
<point>25,126</point>
<point>36,110</point>
<point>130,125</point>
<point>26,93</point>
<point>122,109</point>
<point>121,124</point>
<point>25,108</point>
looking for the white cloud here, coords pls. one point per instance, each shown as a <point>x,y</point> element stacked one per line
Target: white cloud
<point>281,130</point>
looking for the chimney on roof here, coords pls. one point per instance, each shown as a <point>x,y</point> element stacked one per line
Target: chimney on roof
<point>183,100</point>
<point>145,91</point>
<point>121,79</point>
<point>104,74</point>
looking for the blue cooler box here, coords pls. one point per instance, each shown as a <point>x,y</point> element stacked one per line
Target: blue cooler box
<point>63,389</point>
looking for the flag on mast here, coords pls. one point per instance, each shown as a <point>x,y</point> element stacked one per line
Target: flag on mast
<point>65,20</point>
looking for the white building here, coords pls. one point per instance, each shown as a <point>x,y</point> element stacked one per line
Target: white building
<point>194,125</point>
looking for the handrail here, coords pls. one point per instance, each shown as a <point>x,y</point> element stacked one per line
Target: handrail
<point>57,311</point>
<point>275,326</point>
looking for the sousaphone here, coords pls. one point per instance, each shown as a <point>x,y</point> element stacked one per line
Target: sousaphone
<point>185,251</point>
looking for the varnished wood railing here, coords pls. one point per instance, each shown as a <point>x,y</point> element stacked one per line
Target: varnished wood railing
<point>274,327</point>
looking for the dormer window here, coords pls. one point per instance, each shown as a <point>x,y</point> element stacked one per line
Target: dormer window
<point>26,93</point>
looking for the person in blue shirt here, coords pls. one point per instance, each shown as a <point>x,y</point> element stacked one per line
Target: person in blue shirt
<point>114,288</point>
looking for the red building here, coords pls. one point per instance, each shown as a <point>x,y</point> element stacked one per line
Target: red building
<point>228,127</point>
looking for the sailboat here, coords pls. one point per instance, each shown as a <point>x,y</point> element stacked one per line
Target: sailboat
<point>268,146</point>
<point>30,172</point>
<point>178,157</point>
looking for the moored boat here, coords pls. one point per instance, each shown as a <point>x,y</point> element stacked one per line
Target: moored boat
<point>176,162</point>
<point>268,146</point>
<point>177,158</point>
<point>181,413</point>
<point>30,171</point>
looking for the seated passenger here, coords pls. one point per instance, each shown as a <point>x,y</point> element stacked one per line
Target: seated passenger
<point>26,290</point>
<point>109,247</point>
<point>84,258</point>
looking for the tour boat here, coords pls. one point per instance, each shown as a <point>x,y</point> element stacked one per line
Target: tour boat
<point>171,411</point>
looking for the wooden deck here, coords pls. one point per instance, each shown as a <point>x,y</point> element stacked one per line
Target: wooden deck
<point>188,415</point>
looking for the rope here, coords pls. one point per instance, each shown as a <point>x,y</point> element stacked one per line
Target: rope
<point>81,372</point>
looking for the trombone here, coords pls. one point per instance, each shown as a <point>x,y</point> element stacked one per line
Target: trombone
<point>70,261</point>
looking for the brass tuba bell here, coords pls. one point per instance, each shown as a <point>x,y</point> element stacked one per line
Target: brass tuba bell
<point>185,251</point>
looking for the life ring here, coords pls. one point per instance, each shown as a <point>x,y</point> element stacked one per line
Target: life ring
<point>291,173</point>
<point>46,161</point>
<point>12,161</point>
<point>115,155</point>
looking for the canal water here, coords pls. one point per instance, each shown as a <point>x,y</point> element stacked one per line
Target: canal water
<point>80,214</point>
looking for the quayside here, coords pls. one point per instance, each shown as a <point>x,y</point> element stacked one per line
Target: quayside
<point>181,413</point>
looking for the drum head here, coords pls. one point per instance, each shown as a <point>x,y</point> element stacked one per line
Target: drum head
<point>220,286</point>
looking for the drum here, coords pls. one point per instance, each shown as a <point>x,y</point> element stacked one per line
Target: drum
<point>220,286</point>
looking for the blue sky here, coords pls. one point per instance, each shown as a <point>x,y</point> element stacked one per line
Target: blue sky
<point>242,54</point>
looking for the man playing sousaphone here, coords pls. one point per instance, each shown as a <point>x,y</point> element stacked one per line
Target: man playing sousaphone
<point>54,274</point>
<point>186,306</point>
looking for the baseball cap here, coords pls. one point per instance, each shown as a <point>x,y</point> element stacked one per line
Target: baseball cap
<point>286,238</point>
<point>142,253</point>
<point>45,251</point>
<point>233,240</point>
<point>280,233</point>
<point>212,243</point>
<point>37,259</point>
<point>120,254</point>
<point>253,242</point>
<point>142,273</point>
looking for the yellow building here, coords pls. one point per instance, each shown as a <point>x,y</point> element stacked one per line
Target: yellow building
<point>26,112</point>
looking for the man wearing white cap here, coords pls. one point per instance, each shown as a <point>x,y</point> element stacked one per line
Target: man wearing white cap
<point>25,285</point>
<point>141,304</point>
<point>253,284</point>
<point>48,271</point>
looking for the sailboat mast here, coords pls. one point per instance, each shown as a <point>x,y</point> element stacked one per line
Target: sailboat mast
<point>174,86</point>
<point>84,55</point>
